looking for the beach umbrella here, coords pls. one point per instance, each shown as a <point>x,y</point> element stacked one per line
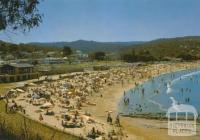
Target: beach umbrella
<point>87,118</point>
<point>47,93</point>
<point>77,98</point>
<point>45,82</point>
<point>42,99</point>
<point>11,105</point>
<point>12,90</point>
<point>46,105</point>
<point>85,94</point>
<point>65,58</point>
<point>43,86</point>
<point>109,111</point>
<point>31,84</point>
<point>99,138</point>
<point>20,90</point>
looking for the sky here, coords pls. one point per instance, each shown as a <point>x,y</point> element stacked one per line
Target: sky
<point>112,20</point>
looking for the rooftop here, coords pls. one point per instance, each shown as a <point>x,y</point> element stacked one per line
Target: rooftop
<point>20,65</point>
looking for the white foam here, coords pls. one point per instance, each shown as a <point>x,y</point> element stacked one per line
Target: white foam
<point>185,76</point>
<point>174,102</point>
<point>158,104</point>
<point>169,90</point>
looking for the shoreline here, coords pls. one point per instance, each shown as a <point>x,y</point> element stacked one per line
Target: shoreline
<point>125,120</point>
<point>161,115</point>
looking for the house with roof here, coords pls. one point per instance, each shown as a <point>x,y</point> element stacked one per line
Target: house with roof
<point>53,60</point>
<point>17,72</point>
<point>1,60</point>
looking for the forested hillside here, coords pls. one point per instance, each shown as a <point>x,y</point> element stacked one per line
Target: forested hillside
<point>185,48</point>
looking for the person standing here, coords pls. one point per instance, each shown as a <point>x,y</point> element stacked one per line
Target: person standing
<point>41,117</point>
<point>118,120</point>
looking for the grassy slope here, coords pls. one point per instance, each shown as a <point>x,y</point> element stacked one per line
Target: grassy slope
<point>67,68</point>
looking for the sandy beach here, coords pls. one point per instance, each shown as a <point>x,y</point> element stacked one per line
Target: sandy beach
<point>107,100</point>
<point>136,128</point>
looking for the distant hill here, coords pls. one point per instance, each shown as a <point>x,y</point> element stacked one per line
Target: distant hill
<point>90,46</point>
<point>187,48</point>
<point>7,47</point>
<point>24,50</point>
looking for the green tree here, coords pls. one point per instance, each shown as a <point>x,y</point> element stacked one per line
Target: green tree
<point>187,56</point>
<point>67,51</point>
<point>98,56</point>
<point>145,55</point>
<point>15,14</point>
<point>127,57</point>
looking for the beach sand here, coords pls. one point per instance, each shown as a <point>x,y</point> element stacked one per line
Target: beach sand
<point>134,128</point>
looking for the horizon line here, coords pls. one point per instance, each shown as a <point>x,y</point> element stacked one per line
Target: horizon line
<point>99,41</point>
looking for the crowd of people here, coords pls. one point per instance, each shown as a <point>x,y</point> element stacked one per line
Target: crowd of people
<point>66,97</point>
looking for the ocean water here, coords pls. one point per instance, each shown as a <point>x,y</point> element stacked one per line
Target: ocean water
<point>156,95</point>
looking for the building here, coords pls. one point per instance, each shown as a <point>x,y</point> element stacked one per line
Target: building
<point>1,61</point>
<point>80,55</point>
<point>17,72</point>
<point>53,60</point>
